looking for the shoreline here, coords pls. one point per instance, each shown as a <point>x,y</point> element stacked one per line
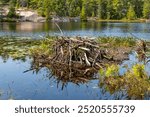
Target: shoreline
<point>73,19</point>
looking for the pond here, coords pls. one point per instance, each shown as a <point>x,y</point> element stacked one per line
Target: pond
<point>93,29</point>
<point>14,84</point>
<point>17,84</point>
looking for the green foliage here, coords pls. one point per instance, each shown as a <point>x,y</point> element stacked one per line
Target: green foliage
<point>83,14</point>
<point>138,71</point>
<point>109,9</point>
<point>4,1</point>
<point>16,48</point>
<point>146,9</point>
<point>84,11</point>
<point>99,9</point>
<point>103,9</point>
<point>112,71</point>
<point>131,13</point>
<point>117,41</point>
<point>45,47</point>
<point>12,12</point>
<point>73,7</point>
<point>135,81</point>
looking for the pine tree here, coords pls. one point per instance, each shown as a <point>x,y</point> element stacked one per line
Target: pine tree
<point>109,9</point>
<point>73,8</point>
<point>41,7</point>
<point>83,14</point>
<point>12,11</point>
<point>99,9</point>
<point>146,9</point>
<point>117,9</point>
<point>131,13</point>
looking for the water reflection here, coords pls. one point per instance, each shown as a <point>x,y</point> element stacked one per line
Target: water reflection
<point>53,82</point>
<point>65,74</point>
<point>35,30</point>
<point>39,85</point>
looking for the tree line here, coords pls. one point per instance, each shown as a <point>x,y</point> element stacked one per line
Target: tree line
<point>102,9</point>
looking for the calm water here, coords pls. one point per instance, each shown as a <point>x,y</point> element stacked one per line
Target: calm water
<point>38,30</point>
<point>15,84</point>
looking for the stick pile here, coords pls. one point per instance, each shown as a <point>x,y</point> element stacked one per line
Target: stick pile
<point>73,59</point>
<point>79,53</point>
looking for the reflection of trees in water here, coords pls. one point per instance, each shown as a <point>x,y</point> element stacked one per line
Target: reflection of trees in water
<point>12,26</point>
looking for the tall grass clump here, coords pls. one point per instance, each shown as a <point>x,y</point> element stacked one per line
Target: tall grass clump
<point>117,41</point>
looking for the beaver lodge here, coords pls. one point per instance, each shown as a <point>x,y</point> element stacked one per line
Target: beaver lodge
<point>79,59</point>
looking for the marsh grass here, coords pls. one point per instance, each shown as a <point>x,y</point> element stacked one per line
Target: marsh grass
<point>19,48</point>
<point>44,48</point>
<point>16,48</point>
<point>117,41</point>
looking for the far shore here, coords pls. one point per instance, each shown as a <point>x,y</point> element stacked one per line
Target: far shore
<point>71,19</point>
<point>29,15</point>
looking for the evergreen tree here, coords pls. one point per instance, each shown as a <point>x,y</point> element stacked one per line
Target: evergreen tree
<point>84,11</point>
<point>73,7</point>
<point>103,9</point>
<point>99,9</point>
<point>60,7</point>
<point>109,9</point>
<point>118,9</point>
<point>146,9</point>
<point>41,7</point>
<point>131,13</point>
<point>138,7</point>
<point>48,8</point>
<point>12,11</point>
<point>34,4</point>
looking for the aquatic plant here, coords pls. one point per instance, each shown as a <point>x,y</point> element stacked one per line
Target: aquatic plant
<point>112,71</point>
<point>18,49</point>
<point>45,47</point>
<point>135,81</point>
<point>117,41</point>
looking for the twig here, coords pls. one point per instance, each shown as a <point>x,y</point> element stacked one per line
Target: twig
<point>59,29</point>
<point>134,36</point>
<point>70,59</point>
<point>86,60</point>
<point>96,58</point>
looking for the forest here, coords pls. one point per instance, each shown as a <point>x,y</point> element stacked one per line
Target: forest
<point>102,9</point>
